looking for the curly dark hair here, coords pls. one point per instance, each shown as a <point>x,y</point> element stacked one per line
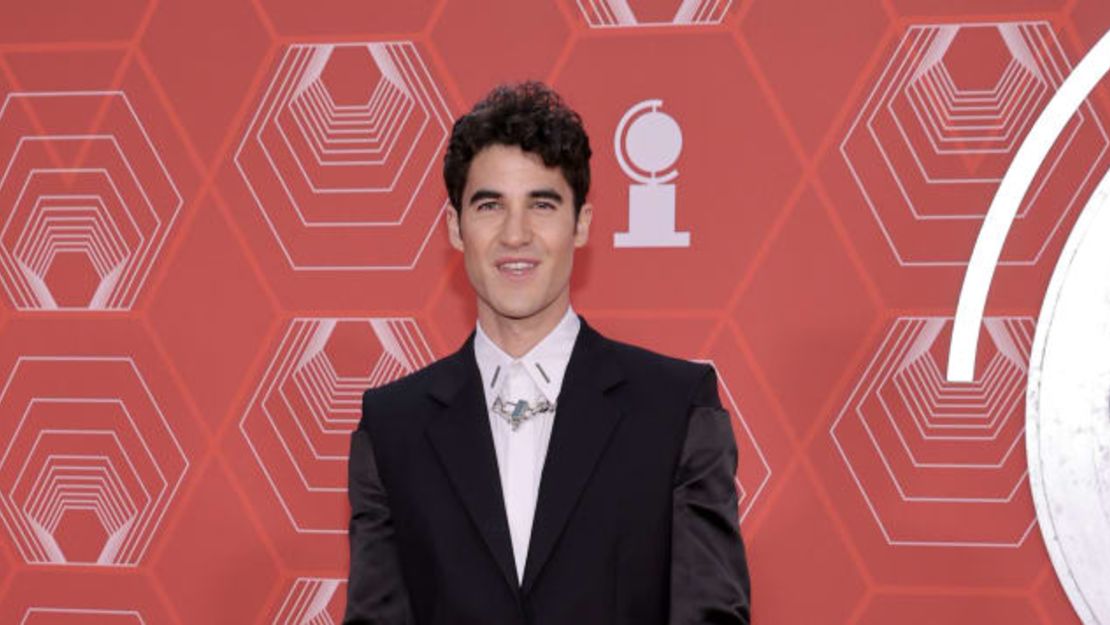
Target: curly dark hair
<point>529,115</point>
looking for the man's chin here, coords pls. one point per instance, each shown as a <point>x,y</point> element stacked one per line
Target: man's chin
<point>518,311</point>
<point>516,314</point>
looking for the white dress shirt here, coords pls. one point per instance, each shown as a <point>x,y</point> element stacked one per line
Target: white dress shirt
<point>521,452</point>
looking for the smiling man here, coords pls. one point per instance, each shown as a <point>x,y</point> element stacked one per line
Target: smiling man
<point>542,474</point>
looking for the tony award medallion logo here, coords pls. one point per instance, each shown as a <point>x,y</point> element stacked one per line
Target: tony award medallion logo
<point>647,144</point>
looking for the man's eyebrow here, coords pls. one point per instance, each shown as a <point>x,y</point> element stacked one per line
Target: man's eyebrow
<point>484,194</point>
<point>546,194</point>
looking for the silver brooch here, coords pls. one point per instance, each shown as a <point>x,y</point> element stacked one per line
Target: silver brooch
<point>520,411</point>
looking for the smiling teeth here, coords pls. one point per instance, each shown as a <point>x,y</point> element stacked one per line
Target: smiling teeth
<point>518,266</point>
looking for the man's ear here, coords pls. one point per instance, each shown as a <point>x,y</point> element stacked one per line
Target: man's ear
<point>454,229</point>
<point>582,226</point>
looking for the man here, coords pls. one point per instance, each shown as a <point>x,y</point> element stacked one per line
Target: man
<point>542,474</point>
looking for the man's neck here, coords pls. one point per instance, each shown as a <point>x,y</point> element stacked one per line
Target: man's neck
<point>516,337</point>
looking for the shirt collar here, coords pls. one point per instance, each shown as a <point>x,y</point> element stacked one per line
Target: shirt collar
<point>546,363</point>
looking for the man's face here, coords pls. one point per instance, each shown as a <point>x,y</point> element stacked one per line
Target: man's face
<point>517,232</point>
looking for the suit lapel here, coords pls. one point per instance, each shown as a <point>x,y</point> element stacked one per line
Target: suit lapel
<point>584,421</point>
<point>462,439</point>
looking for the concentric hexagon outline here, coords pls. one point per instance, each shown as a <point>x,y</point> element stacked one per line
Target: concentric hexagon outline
<point>170,487</point>
<point>285,363</point>
<point>278,98</point>
<point>895,66</point>
<point>134,274</point>
<point>865,386</point>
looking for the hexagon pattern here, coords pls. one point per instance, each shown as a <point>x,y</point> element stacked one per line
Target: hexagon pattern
<point>82,183</point>
<point>339,154</point>
<point>625,14</point>
<point>312,600</point>
<point>90,464</point>
<point>940,126</point>
<point>936,460</point>
<point>310,399</point>
<point>211,245</point>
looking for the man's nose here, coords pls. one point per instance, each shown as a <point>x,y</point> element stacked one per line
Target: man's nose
<point>517,228</point>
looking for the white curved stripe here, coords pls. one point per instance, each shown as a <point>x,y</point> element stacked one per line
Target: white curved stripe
<point>1000,217</point>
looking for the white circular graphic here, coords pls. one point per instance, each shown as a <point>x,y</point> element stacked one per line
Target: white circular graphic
<point>653,142</point>
<point>1067,426</point>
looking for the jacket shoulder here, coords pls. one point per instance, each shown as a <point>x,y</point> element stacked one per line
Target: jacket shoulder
<point>402,396</point>
<point>668,373</point>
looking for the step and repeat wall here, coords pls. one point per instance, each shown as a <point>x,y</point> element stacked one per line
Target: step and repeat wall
<point>222,220</point>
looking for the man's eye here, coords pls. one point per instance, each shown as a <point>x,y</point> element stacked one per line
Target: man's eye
<point>545,205</point>
<point>487,206</point>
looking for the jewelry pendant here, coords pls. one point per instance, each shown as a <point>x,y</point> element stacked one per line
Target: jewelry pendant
<point>518,416</point>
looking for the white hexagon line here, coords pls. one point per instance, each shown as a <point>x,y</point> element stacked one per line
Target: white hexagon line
<point>307,602</point>
<point>379,331</point>
<point>387,189</point>
<point>922,169</point>
<point>127,461</point>
<point>931,543</point>
<point>910,39</point>
<point>366,123</point>
<point>110,503</point>
<point>933,179</point>
<point>269,102</point>
<point>317,126</point>
<point>42,294</point>
<point>282,101</point>
<point>919,464</point>
<point>938,80</point>
<point>43,216</point>
<point>318,107</point>
<point>870,391</point>
<point>70,233</point>
<point>111,182</point>
<point>80,611</point>
<point>139,276</point>
<point>920,386</point>
<point>949,107</point>
<point>902,490</point>
<point>143,252</point>
<point>297,419</point>
<point>745,503</point>
<point>927,410</point>
<point>890,413</point>
<point>152,522</point>
<point>1008,104</point>
<point>304,339</point>
<point>859,390</point>
<point>48,477</point>
<point>322,393</point>
<point>151,459</point>
<point>618,14</point>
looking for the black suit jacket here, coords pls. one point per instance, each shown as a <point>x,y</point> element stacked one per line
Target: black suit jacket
<point>636,518</point>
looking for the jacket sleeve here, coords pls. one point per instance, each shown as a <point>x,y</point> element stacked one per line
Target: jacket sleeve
<point>376,593</point>
<point>709,571</point>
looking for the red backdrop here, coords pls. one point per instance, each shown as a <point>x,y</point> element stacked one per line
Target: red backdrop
<point>221,222</point>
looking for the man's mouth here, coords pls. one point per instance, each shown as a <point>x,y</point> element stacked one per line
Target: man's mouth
<point>516,267</point>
